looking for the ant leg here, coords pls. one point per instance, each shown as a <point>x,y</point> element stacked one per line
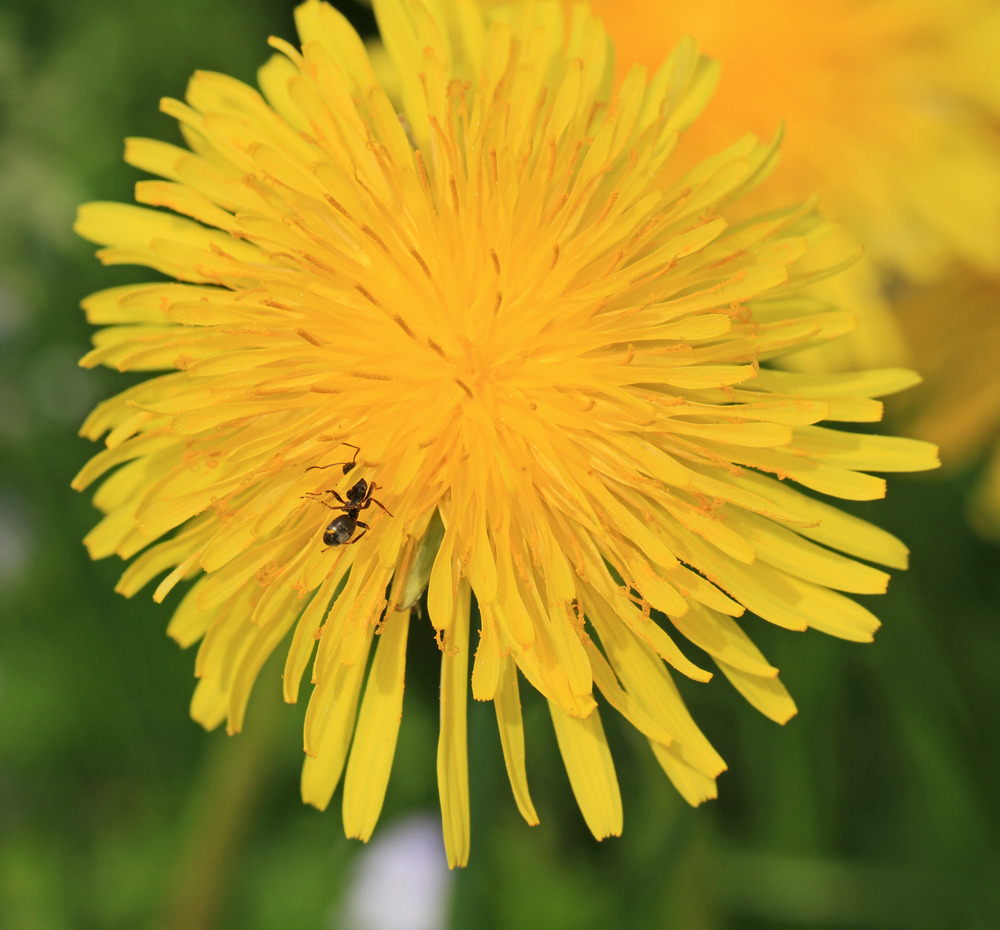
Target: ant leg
<point>369,500</point>
<point>309,497</point>
<point>327,491</point>
<point>365,529</point>
<point>386,509</point>
<point>347,466</point>
<point>351,463</point>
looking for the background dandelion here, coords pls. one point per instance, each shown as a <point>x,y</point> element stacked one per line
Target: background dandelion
<point>892,113</point>
<point>839,820</point>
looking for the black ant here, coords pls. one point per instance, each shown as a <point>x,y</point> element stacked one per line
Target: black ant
<point>359,497</point>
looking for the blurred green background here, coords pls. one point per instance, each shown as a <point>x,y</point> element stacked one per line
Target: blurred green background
<point>876,807</point>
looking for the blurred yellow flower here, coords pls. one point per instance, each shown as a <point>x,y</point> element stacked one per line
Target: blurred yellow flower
<point>496,347</point>
<point>954,330</point>
<point>952,326</point>
<point>889,109</point>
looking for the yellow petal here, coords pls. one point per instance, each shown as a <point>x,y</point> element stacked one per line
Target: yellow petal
<point>507,703</point>
<point>767,694</point>
<point>330,722</point>
<point>452,753</point>
<point>591,771</point>
<point>378,726</point>
<point>694,786</point>
<point>829,525</point>
<point>304,638</point>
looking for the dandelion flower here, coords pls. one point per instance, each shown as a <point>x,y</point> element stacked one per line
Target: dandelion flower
<point>889,112</point>
<point>541,349</point>
<point>888,109</point>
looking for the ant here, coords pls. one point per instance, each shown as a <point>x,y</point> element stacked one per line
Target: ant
<point>359,497</point>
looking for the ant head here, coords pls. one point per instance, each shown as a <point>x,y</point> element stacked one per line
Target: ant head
<point>358,493</point>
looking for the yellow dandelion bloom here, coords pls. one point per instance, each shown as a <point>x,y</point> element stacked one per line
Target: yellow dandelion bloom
<point>496,348</point>
<point>889,110</point>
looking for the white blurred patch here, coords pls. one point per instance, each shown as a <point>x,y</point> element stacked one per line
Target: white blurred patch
<point>400,881</point>
<point>15,537</point>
